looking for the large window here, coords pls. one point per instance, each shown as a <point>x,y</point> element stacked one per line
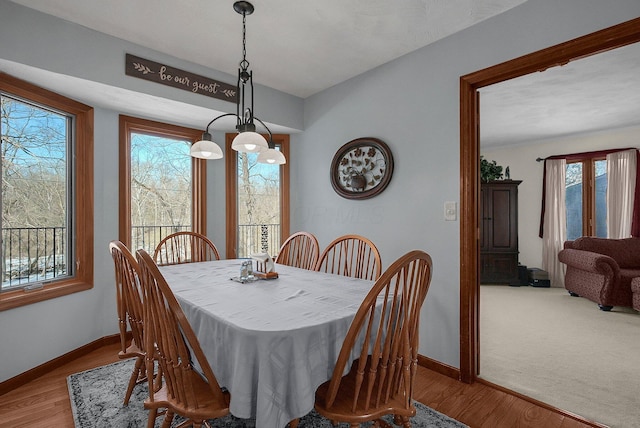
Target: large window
<point>257,201</point>
<point>47,189</point>
<point>162,190</point>
<point>586,198</point>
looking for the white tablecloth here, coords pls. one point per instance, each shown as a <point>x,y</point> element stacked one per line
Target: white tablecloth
<point>270,342</point>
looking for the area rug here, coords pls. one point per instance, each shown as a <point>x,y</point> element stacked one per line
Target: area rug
<point>97,394</point>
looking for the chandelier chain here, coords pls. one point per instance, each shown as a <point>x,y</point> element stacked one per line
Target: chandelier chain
<point>244,64</point>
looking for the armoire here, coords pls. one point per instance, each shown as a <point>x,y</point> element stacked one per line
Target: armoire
<point>499,232</point>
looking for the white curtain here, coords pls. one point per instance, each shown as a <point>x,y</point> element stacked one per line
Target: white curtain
<point>621,185</point>
<point>555,220</point>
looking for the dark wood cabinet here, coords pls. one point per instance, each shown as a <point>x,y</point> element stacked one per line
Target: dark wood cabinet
<point>499,232</point>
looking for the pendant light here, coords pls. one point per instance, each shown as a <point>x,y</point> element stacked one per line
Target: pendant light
<point>247,140</point>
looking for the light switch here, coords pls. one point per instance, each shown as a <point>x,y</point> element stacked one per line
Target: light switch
<point>450,211</point>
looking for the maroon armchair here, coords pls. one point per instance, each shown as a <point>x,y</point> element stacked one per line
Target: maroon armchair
<point>635,289</point>
<point>601,269</point>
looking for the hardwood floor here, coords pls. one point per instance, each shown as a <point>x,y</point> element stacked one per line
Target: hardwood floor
<point>44,402</point>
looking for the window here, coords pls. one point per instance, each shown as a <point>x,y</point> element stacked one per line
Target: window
<point>257,201</point>
<point>162,189</point>
<point>47,194</point>
<point>586,198</point>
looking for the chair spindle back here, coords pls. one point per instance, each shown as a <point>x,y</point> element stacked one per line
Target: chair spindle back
<point>130,312</point>
<point>351,255</point>
<point>176,347</point>
<point>185,247</point>
<point>299,250</point>
<point>384,337</point>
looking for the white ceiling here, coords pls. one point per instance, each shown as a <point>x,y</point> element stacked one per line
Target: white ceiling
<point>302,47</point>
<point>587,95</point>
<point>299,47</point>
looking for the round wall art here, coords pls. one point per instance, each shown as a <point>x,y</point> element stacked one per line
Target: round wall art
<point>361,168</point>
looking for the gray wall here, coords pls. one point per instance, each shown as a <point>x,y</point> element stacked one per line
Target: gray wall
<point>521,160</point>
<point>411,103</point>
<point>48,43</point>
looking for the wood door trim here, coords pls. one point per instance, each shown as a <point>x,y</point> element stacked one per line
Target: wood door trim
<point>600,41</point>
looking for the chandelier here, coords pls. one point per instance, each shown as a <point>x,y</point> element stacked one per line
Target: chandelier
<point>247,140</point>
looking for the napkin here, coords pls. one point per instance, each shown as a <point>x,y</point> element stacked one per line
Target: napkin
<point>264,259</point>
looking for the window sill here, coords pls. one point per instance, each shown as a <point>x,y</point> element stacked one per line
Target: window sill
<point>17,298</point>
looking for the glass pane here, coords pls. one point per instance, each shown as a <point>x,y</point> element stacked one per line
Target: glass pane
<point>601,198</point>
<point>35,185</point>
<point>160,189</point>
<point>573,199</point>
<point>258,206</point>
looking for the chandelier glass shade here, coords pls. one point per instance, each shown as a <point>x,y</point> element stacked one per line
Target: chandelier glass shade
<point>272,156</point>
<point>247,140</point>
<point>206,148</point>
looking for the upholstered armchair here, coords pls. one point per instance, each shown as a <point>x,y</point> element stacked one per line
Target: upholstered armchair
<point>601,269</point>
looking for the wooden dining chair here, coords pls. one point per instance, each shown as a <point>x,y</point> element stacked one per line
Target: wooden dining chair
<point>129,307</point>
<point>351,255</point>
<point>300,250</point>
<point>384,337</point>
<point>185,247</point>
<point>170,339</point>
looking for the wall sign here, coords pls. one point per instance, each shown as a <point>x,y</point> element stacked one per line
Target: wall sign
<point>170,76</point>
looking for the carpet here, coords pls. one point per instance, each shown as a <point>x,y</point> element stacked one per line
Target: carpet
<point>563,351</point>
<point>96,400</point>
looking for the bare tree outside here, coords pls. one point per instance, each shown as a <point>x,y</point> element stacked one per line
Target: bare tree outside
<point>37,209</point>
<point>258,206</point>
<point>35,179</point>
<point>160,188</point>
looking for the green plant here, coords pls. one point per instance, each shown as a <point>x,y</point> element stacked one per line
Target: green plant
<point>489,170</point>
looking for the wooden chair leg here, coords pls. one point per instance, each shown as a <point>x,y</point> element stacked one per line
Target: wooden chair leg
<point>198,424</point>
<point>381,423</point>
<point>168,418</point>
<point>135,378</point>
<point>402,421</point>
<point>151,420</point>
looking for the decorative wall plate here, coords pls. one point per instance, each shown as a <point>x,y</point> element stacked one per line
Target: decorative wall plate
<point>361,168</point>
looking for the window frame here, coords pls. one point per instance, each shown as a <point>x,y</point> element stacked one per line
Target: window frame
<point>130,124</point>
<point>588,192</point>
<point>231,168</point>
<point>82,189</point>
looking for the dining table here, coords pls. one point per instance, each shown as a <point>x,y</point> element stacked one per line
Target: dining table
<point>270,342</point>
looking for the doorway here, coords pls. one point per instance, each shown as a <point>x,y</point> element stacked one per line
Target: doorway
<point>604,40</point>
